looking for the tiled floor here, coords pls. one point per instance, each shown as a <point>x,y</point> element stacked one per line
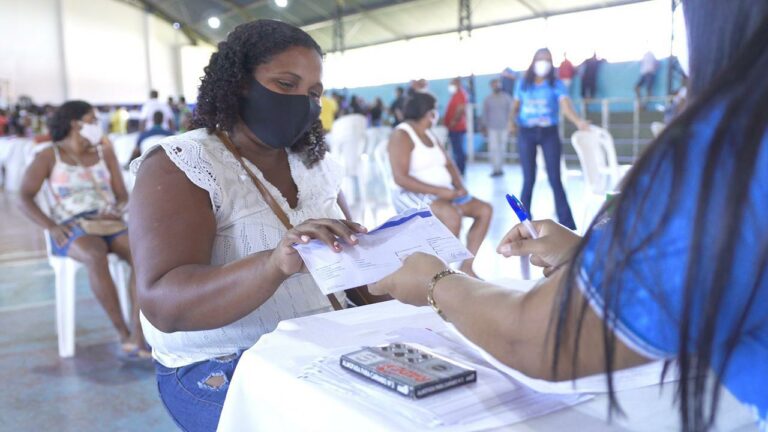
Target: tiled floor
<point>94,390</point>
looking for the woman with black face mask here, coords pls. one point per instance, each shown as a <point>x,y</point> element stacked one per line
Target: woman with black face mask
<point>215,213</point>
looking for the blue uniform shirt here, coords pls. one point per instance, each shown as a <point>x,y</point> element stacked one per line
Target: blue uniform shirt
<point>539,103</point>
<point>650,304</point>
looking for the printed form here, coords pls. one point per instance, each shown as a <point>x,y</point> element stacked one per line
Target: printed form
<point>381,251</point>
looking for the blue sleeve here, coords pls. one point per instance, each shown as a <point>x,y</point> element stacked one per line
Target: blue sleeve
<point>644,302</point>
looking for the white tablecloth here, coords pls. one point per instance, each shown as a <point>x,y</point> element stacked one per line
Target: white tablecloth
<point>266,394</point>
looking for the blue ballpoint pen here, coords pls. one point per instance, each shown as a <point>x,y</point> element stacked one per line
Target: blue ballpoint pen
<point>522,214</point>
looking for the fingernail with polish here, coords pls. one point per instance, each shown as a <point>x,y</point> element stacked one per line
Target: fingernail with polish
<point>305,238</point>
<point>353,238</point>
<point>505,249</point>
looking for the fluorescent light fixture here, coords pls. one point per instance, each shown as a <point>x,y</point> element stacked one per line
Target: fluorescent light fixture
<point>281,3</point>
<point>214,22</point>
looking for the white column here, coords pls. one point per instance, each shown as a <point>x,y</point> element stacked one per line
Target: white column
<point>146,50</point>
<point>62,53</point>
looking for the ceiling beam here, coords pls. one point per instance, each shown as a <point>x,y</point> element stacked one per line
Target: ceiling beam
<point>361,11</point>
<point>232,12</point>
<point>498,22</point>
<point>189,31</point>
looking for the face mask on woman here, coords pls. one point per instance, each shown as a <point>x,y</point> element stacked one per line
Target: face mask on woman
<point>541,68</point>
<point>92,132</point>
<point>278,120</point>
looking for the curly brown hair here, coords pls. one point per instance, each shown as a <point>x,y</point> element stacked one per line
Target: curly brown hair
<point>230,70</point>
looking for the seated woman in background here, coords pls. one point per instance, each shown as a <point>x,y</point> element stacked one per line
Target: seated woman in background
<point>427,176</point>
<point>676,268</point>
<point>212,209</point>
<point>88,198</point>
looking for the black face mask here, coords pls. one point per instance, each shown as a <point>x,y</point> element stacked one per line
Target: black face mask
<point>278,120</point>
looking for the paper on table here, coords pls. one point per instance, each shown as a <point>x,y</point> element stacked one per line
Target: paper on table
<point>381,252</point>
<point>626,379</point>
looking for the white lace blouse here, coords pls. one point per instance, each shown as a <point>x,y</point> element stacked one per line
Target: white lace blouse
<point>244,225</point>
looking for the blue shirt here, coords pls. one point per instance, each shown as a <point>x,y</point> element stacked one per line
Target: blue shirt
<point>539,103</point>
<point>649,308</point>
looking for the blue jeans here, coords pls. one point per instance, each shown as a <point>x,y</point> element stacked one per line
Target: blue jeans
<point>78,232</point>
<point>457,145</point>
<point>549,140</point>
<point>192,400</point>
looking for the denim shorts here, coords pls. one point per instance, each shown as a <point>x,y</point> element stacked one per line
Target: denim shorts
<point>78,232</point>
<point>193,403</point>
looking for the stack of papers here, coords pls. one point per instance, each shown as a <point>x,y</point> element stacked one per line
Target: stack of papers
<point>381,251</point>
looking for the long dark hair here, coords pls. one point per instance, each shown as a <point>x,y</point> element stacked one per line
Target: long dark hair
<point>60,123</point>
<point>728,63</point>
<point>230,71</point>
<point>530,75</point>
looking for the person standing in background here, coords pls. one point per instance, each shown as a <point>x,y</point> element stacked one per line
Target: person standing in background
<point>185,115</point>
<point>590,68</point>
<point>566,72</point>
<point>648,66</point>
<point>456,121</point>
<point>538,100</point>
<point>175,110</point>
<point>396,108</point>
<point>328,110</point>
<point>376,112</point>
<point>150,107</point>
<point>508,78</point>
<point>3,122</point>
<point>497,110</point>
<point>118,121</point>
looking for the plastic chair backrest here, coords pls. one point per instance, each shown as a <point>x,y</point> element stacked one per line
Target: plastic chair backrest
<point>124,145</point>
<point>441,132</point>
<point>347,141</point>
<point>609,149</point>
<point>657,127</point>
<point>381,156</point>
<point>592,159</point>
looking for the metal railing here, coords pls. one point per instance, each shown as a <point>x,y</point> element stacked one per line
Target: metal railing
<point>627,119</point>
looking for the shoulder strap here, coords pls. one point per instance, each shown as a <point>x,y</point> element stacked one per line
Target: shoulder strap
<point>411,133</point>
<point>276,209</point>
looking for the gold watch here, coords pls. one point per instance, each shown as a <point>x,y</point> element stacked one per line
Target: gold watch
<point>431,288</point>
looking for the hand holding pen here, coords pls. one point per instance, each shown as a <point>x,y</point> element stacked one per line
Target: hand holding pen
<point>549,244</point>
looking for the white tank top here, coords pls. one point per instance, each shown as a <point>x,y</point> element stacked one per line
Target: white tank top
<point>245,224</point>
<point>428,163</point>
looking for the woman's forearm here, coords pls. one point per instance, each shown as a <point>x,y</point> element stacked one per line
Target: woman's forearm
<point>518,328</point>
<point>201,297</point>
<point>569,112</point>
<point>32,211</point>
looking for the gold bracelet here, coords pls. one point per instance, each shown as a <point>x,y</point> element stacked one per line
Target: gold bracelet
<point>431,288</point>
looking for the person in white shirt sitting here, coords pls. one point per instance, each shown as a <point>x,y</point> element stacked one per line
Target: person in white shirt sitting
<point>426,176</point>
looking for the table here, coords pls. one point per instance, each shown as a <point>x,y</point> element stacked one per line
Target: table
<point>266,394</point>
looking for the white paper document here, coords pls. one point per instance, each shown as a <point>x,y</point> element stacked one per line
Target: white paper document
<point>381,251</point>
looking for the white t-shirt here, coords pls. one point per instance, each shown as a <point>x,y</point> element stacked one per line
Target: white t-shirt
<point>152,106</point>
<point>648,64</point>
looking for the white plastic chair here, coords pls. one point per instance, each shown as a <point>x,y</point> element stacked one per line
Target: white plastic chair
<point>657,127</point>
<point>16,157</point>
<point>598,164</point>
<point>124,145</point>
<point>441,132</point>
<point>65,271</point>
<point>614,170</point>
<point>347,141</point>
